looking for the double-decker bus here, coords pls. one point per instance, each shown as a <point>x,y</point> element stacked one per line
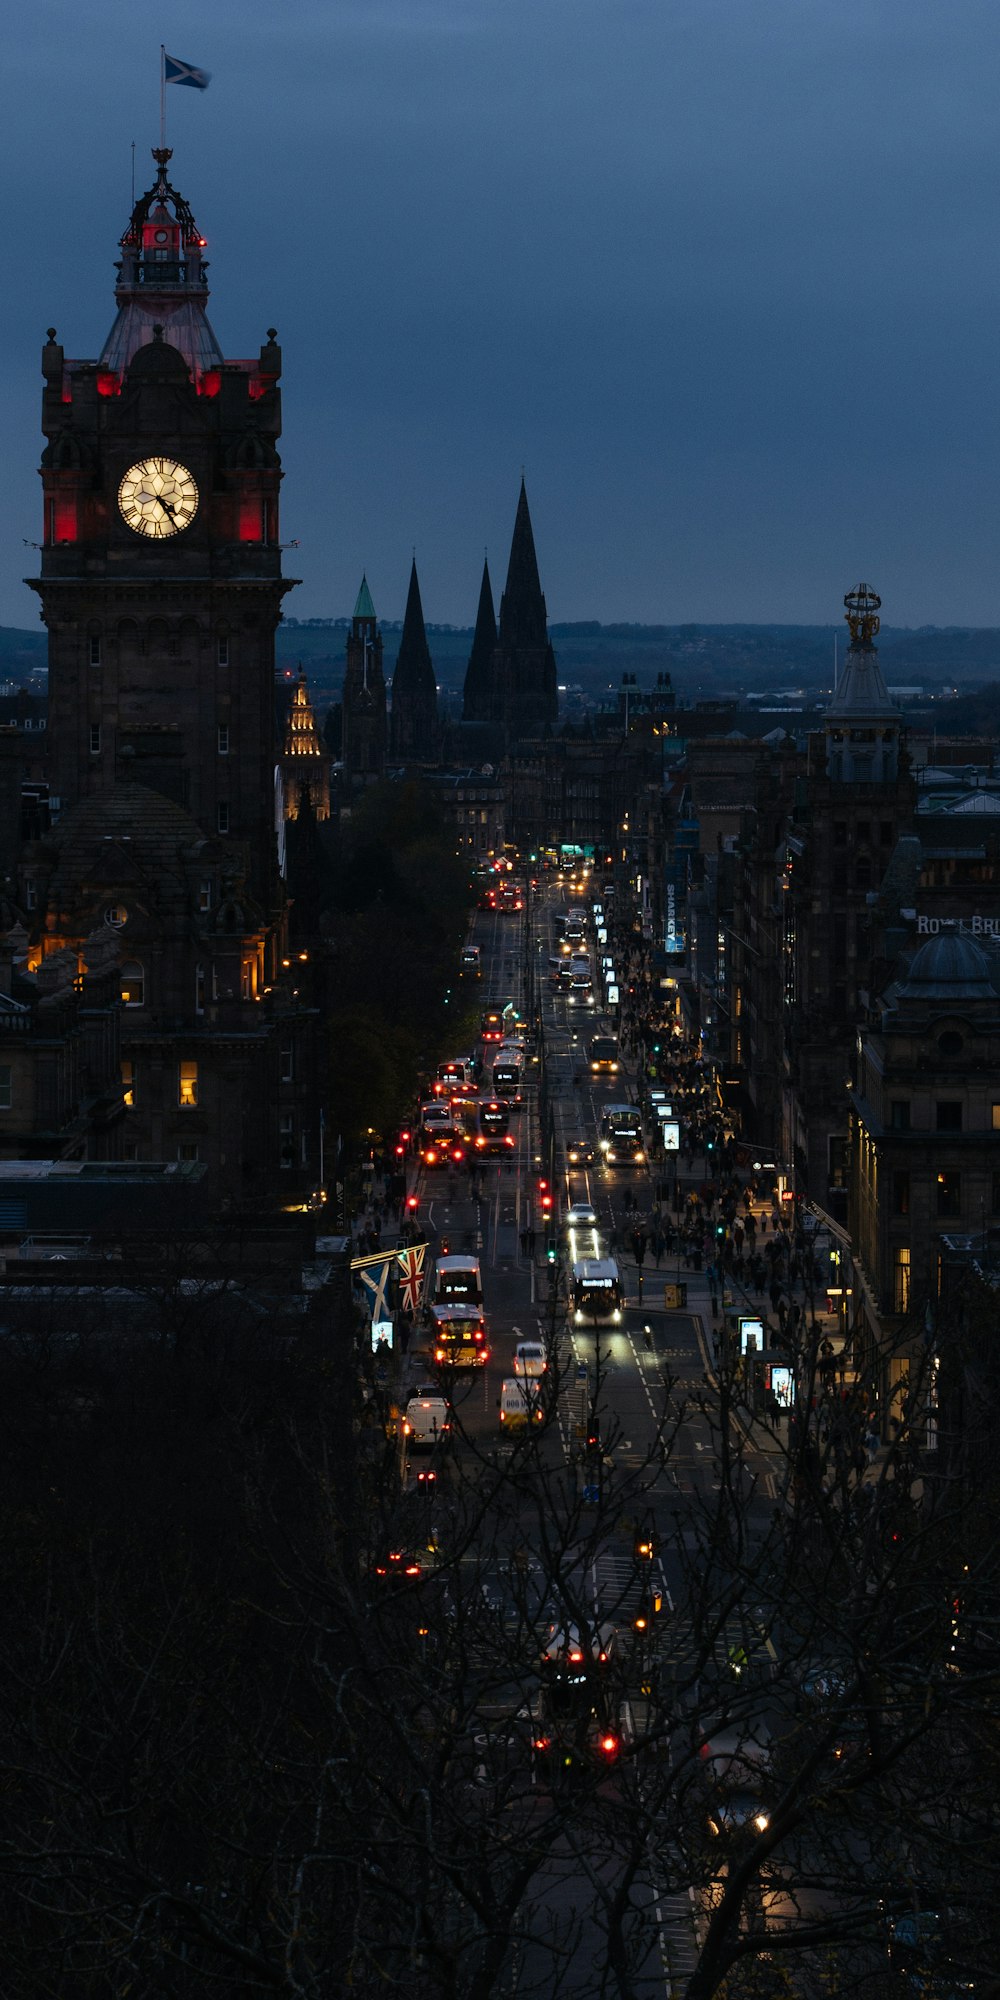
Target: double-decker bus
<point>597,1290</point>
<point>489,1129</point>
<point>459,1336</point>
<point>621,1141</point>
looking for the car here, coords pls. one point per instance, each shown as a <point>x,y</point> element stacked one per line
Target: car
<point>580,1152</point>
<point>529,1359</point>
<point>581,1215</point>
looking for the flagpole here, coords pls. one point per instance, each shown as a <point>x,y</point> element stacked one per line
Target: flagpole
<point>163,96</point>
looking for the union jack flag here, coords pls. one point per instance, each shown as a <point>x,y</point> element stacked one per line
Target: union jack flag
<point>411,1273</point>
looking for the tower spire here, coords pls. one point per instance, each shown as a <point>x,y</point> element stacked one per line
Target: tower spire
<point>413,721</point>
<point>476,702</point>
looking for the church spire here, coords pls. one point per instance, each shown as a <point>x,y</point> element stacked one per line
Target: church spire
<point>522,606</point>
<point>476,704</point>
<point>523,687</point>
<point>413,721</point>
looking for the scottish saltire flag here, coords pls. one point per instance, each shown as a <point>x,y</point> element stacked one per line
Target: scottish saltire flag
<point>374,1275</point>
<point>182,72</point>
<point>411,1272</point>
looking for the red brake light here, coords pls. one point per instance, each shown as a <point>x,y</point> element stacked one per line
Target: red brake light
<point>540,1743</point>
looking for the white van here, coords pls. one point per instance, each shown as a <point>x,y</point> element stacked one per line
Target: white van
<point>427,1420</point>
<point>520,1403</point>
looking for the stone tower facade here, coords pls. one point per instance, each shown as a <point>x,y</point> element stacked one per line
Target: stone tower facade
<point>161,580</point>
<point>161,589</point>
<point>413,722</point>
<point>363,697</point>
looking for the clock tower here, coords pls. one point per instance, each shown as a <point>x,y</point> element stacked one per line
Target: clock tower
<point>161,580</point>
<point>161,589</point>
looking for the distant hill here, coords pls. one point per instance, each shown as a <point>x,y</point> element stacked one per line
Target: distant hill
<point>703,660</point>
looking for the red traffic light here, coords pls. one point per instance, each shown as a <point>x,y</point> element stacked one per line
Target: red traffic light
<point>413,1203</point>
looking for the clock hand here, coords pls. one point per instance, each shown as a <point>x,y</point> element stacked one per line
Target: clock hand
<point>168,507</point>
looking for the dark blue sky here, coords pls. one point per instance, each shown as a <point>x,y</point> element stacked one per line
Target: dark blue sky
<point>721,275</point>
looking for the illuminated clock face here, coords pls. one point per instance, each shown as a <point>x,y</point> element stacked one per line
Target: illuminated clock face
<point>158,497</point>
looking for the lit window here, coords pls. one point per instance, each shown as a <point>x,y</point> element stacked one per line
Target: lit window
<point>187,1085</point>
<point>6,1087</point>
<point>996,1118</point>
<point>949,1193</point>
<point>133,984</point>
<point>95,739</point>
<point>223,739</point>
<point>222,817</point>
<point>901,1279</point>
<point>128,1082</point>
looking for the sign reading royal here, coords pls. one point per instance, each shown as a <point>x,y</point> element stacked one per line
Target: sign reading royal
<point>966,926</point>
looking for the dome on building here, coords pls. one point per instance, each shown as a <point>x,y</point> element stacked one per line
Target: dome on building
<point>158,361</point>
<point>949,967</point>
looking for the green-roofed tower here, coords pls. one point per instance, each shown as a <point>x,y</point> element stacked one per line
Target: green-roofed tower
<point>364,696</point>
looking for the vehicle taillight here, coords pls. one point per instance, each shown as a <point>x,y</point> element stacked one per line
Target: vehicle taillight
<point>609,1745</point>
<point>540,1743</point>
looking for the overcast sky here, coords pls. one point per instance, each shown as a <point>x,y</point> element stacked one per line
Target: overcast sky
<point>721,275</point>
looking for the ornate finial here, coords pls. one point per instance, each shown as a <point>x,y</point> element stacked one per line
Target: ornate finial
<point>158,331</point>
<point>272,333</point>
<point>50,333</point>
<point>862,609</point>
<point>162,154</point>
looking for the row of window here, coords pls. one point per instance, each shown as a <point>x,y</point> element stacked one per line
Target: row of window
<point>187,1080</point>
<point>947,1187</point>
<point>221,650</point>
<point>949,1115</point>
<point>206,985</point>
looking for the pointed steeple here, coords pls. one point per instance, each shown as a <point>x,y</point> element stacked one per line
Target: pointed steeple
<point>414,671</point>
<point>523,690</point>
<point>413,721</point>
<point>364,607</point>
<point>363,699</point>
<point>522,606</point>
<point>476,701</point>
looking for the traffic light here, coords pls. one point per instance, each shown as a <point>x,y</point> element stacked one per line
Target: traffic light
<point>412,1204</point>
<point>545,1197</point>
<point>550,1249</point>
